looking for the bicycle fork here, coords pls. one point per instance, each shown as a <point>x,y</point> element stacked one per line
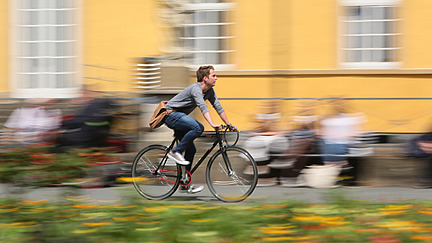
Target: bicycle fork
<point>186,176</point>
<point>230,171</point>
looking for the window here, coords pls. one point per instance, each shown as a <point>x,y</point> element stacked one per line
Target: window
<point>206,36</point>
<point>370,37</point>
<point>45,48</point>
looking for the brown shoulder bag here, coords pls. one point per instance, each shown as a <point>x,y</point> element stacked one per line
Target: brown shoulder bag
<point>158,115</point>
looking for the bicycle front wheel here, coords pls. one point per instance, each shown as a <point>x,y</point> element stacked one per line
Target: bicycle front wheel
<point>232,174</point>
<point>155,176</point>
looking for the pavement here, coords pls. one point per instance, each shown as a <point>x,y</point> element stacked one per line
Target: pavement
<point>268,194</point>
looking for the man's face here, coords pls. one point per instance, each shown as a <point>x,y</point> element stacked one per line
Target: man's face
<point>211,80</point>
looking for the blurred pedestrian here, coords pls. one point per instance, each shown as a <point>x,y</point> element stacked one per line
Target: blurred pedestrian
<point>34,123</point>
<point>421,147</point>
<point>289,163</point>
<point>89,127</point>
<point>337,131</point>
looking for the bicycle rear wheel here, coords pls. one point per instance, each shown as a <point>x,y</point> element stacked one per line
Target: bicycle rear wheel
<point>232,178</point>
<point>151,182</point>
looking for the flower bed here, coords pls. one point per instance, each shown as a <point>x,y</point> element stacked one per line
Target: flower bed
<point>37,166</point>
<point>78,219</point>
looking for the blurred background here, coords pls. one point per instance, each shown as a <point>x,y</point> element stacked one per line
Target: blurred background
<point>374,53</point>
<point>276,61</point>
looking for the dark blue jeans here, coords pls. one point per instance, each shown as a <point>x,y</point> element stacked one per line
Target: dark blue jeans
<point>186,129</point>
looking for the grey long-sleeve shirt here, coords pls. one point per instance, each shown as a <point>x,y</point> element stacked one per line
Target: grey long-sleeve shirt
<point>191,97</point>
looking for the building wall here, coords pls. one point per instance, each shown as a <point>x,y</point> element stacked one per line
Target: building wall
<point>252,35</point>
<point>416,35</point>
<point>4,46</point>
<point>304,43</point>
<point>312,32</point>
<point>116,32</point>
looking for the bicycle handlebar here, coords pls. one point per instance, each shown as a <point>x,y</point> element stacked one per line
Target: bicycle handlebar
<point>227,128</point>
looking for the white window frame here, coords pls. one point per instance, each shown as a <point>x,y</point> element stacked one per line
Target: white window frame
<point>343,49</point>
<point>206,7</point>
<point>41,80</point>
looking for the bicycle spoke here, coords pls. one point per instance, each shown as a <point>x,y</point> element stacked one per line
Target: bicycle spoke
<point>235,179</point>
<point>160,182</point>
<point>230,183</point>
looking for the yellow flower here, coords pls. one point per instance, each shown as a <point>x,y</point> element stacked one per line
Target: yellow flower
<point>156,209</point>
<point>123,207</point>
<point>277,230</point>
<point>288,238</point>
<point>84,231</point>
<point>202,220</point>
<point>209,207</point>
<point>126,179</point>
<point>125,219</point>
<point>401,225</point>
<point>185,206</point>
<point>398,207</point>
<point>136,179</point>
<point>8,210</point>
<point>147,229</point>
<point>274,206</point>
<point>78,198</point>
<point>282,215</point>
<point>97,224</point>
<point>318,218</point>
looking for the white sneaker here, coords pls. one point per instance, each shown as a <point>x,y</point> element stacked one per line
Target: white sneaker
<point>178,158</point>
<point>192,189</point>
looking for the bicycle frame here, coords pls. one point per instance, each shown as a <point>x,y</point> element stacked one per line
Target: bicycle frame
<point>219,141</point>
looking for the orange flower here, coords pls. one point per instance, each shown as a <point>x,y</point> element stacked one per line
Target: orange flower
<point>422,237</point>
<point>85,206</point>
<point>28,202</point>
<point>97,224</point>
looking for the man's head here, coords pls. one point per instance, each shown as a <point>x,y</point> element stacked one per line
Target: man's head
<point>203,71</point>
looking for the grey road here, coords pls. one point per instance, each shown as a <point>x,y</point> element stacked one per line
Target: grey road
<point>261,194</point>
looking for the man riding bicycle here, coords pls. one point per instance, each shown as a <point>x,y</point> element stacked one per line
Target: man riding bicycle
<point>187,128</point>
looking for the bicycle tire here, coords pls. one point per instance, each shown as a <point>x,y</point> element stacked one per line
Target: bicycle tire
<point>150,185</point>
<point>237,186</point>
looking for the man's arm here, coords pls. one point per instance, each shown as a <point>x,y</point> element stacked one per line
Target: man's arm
<point>210,121</point>
<point>224,118</point>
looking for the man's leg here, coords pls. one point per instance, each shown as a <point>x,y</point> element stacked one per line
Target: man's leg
<point>189,128</point>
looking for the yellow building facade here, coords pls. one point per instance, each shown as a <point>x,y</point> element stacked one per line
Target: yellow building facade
<point>374,54</point>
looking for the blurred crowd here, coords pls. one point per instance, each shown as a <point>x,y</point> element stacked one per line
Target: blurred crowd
<point>321,146</point>
<point>318,144</point>
<point>40,121</point>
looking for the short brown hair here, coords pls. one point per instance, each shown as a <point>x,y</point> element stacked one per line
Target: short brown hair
<point>203,71</point>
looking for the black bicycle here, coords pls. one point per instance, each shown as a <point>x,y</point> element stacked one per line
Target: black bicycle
<point>231,172</point>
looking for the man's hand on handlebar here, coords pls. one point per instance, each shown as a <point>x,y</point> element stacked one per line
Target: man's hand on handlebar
<point>232,127</point>
<point>218,126</point>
